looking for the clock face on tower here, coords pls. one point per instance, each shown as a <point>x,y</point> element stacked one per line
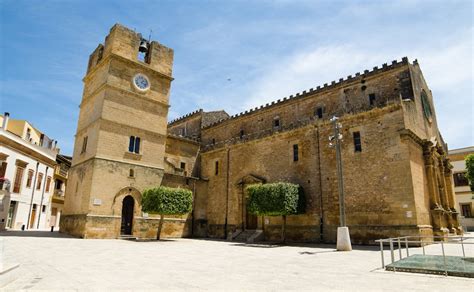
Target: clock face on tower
<point>141,82</point>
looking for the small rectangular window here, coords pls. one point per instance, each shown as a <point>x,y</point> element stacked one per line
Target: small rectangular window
<point>319,112</point>
<point>137,145</point>
<point>84,145</point>
<point>276,123</point>
<point>183,165</point>
<point>357,142</point>
<point>29,180</point>
<point>213,141</point>
<point>460,179</point>
<point>372,99</point>
<point>48,183</point>
<point>43,208</point>
<point>241,134</point>
<point>38,182</point>
<point>466,210</point>
<point>216,168</point>
<point>18,179</point>
<point>131,144</point>
<point>295,152</point>
<point>134,144</point>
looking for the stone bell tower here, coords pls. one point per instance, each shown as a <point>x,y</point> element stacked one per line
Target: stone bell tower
<point>120,140</point>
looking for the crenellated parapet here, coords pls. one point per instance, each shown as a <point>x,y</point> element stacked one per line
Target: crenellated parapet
<point>321,89</point>
<point>185,117</point>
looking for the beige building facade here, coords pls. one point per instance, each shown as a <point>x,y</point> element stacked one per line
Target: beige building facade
<point>464,194</point>
<point>27,160</point>
<point>397,176</point>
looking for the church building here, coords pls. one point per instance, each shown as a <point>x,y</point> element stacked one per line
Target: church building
<point>396,173</point>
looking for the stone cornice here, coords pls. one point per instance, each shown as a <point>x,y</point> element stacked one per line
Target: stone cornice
<point>412,136</point>
<point>184,139</point>
<point>122,90</point>
<point>114,160</point>
<point>21,146</point>
<point>100,119</point>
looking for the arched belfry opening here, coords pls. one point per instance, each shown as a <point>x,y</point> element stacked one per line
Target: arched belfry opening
<point>128,205</point>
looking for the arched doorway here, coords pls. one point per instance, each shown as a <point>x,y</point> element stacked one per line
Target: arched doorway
<point>127,215</point>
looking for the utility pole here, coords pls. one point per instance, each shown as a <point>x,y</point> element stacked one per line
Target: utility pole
<point>343,237</point>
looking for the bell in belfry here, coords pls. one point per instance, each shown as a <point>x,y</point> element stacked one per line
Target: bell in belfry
<point>143,46</point>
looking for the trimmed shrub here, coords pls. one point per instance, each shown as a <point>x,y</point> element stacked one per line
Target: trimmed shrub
<point>167,201</point>
<point>276,199</point>
<point>470,170</point>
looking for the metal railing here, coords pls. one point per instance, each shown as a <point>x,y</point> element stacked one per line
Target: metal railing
<point>417,241</point>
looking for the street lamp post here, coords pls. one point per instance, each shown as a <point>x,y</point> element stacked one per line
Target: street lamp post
<point>343,237</point>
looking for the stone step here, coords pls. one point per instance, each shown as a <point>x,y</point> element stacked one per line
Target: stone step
<point>127,237</point>
<point>244,236</point>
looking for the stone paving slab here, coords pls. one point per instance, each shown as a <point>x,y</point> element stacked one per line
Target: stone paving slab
<point>61,263</point>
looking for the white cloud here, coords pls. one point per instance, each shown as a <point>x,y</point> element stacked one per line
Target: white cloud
<point>447,69</point>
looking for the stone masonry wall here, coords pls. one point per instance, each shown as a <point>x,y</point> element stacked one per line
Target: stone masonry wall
<point>379,193</point>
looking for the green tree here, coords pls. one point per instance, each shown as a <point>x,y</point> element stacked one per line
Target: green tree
<point>470,170</point>
<point>167,201</point>
<point>276,199</point>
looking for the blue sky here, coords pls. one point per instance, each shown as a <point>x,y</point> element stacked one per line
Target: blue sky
<point>269,50</point>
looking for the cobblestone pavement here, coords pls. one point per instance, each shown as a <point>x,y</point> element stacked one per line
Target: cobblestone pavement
<point>50,261</point>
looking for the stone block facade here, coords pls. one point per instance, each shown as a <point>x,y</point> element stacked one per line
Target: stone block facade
<point>396,175</point>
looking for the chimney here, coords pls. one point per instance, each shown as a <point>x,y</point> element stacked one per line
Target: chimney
<point>6,117</point>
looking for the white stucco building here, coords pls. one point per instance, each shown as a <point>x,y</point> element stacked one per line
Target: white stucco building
<point>464,195</point>
<point>27,161</point>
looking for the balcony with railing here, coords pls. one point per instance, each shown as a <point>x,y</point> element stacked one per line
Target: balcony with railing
<point>58,196</point>
<point>4,185</point>
<point>61,170</point>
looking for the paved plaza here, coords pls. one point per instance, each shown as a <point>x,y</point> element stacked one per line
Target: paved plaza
<point>52,261</point>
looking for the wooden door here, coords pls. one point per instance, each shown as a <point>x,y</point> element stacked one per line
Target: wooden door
<point>127,215</point>
<point>251,221</point>
<point>33,215</point>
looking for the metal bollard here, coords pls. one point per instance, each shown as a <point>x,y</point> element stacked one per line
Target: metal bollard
<point>52,228</point>
<point>381,253</point>
<point>462,245</point>
<point>423,245</point>
<point>399,249</point>
<point>391,250</point>
<point>406,245</point>
<point>444,258</point>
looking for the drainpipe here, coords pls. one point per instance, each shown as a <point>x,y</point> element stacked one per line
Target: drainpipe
<point>32,195</point>
<point>42,196</point>
<point>227,194</point>
<point>321,209</point>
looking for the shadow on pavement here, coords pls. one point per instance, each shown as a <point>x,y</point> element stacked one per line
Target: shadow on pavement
<point>273,244</point>
<point>34,233</point>
<point>153,240</point>
<point>316,252</point>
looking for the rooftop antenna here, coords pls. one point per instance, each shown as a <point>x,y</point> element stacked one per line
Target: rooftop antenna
<point>149,36</point>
